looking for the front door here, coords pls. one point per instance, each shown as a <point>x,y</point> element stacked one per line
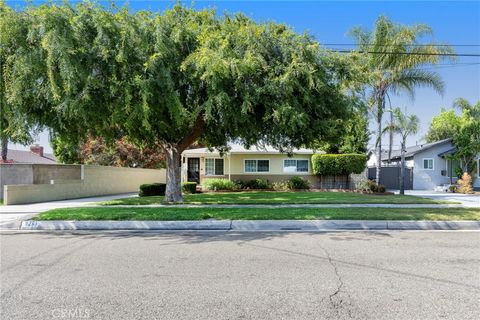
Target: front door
<point>193,170</point>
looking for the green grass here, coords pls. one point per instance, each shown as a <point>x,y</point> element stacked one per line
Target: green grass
<point>270,197</point>
<point>176,213</point>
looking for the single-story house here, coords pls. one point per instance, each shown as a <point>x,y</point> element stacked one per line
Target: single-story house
<point>431,164</point>
<point>35,155</point>
<point>244,164</point>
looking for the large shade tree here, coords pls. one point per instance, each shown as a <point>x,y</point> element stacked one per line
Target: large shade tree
<point>175,78</point>
<point>14,126</point>
<point>394,55</point>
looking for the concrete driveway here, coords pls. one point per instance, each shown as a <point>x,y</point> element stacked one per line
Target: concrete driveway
<point>224,275</point>
<point>15,213</point>
<point>467,200</point>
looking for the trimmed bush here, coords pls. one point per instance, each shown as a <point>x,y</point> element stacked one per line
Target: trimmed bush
<point>374,187</point>
<point>189,187</point>
<point>338,164</point>
<point>259,183</point>
<point>152,189</point>
<point>280,186</point>
<point>298,183</point>
<point>220,184</point>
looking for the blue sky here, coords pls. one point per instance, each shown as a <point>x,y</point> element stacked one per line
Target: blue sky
<point>453,22</point>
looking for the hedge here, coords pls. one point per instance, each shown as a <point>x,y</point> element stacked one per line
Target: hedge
<point>189,187</point>
<point>152,189</point>
<point>219,184</point>
<point>338,164</point>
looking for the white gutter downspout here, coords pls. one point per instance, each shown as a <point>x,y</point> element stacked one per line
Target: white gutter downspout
<point>229,166</point>
<point>181,169</point>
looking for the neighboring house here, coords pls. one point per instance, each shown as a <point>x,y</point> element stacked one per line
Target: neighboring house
<point>34,156</point>
<point>430,164</point>
<point>243,164</point>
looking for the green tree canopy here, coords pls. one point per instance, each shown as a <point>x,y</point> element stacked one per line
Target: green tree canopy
<point>443,126</point>
<point>175,78</point>
<point>464,129</point>
<point>14,126</point>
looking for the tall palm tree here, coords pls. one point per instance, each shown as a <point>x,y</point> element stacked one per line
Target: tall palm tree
<point>394,57</point>
<point>404,125</point>
<point>464,105</point>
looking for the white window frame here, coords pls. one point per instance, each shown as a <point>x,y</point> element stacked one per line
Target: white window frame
<point>296,166</point>
<point>214,160</point>
<point>256,167</point>
<point>423,164</point>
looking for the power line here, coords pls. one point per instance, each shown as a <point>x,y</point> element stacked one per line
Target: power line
<point>393,45</point>
<point>410,53</point>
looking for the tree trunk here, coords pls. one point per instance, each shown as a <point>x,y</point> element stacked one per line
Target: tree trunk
<point>402,169</point>
<point>173,192</point>
<point>379,149</point>
<point>4,149</point>
<point>380,107</point>
<point>390,139</point>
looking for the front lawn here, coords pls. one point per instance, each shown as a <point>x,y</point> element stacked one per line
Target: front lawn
<point>176,213</point>
<point>271,197</point>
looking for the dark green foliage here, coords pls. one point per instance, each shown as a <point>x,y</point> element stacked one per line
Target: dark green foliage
<point>262,183</point>
<point>298,183</point>
<point>219,184</point>
<point>189,187</point>
<point>153,189</point>
<point>377,188</point>
<point>259,183</point>
<point>171,79</point>
<point>338,164</point>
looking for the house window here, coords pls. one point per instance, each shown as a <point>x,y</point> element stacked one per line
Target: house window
<point>452,165</point>
<point>213,167</point>
<point>257,166</point>
<point>294,165</point>
<point>428,164</point>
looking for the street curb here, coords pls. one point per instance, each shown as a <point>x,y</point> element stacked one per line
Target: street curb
<point>126,225</point>
<point>252,225</point>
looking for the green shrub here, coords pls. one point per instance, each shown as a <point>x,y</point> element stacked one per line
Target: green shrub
<point>262,184</point>
<point>280,186</point>
<point>152,189</point>
<point>338,164</point>
<point>220,184</point>
<point>189,187</point>
<point>376,187</point>
<point>259,183</point>
<point>297,183</point>
<point>362,185</point>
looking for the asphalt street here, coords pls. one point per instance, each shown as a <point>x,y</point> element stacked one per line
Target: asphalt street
<point>225,275</point>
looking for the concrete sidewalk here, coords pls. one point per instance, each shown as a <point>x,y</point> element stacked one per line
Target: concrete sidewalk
<point>273,206</point>
<point>252,225</point>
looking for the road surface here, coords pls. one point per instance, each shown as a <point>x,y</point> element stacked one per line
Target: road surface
<point>224,275</point>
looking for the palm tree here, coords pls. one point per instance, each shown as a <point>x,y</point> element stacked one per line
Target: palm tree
<point>394,58</point>
<point>404,125</point>
<point>463,105</point>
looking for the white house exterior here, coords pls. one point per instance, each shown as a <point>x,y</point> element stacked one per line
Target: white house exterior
<point>476,182</point>
<point>430,164</point>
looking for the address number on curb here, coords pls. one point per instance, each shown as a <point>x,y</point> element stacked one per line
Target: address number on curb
<point>30,224</point>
